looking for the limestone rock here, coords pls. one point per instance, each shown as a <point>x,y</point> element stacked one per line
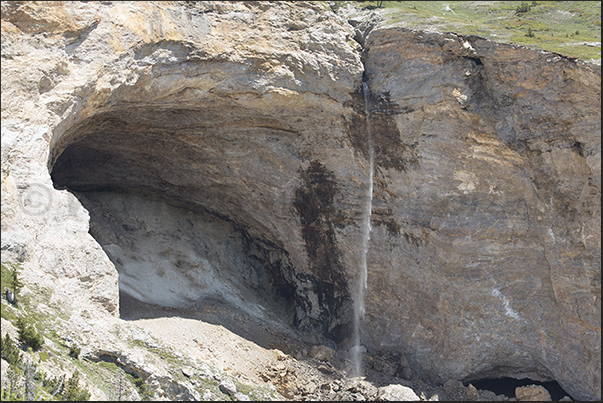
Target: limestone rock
<point>241,397</point>
<point>397,393</point>
<point>532,393</point>
<point>371,392</point>
<point>480,207</point>
<point>456,391</point>
<point>322,353</point>
<point>228,387</point>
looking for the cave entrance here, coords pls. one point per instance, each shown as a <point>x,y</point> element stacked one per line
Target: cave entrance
<point>506,386</point>
<point>176,201</point>
<point>194,206</point>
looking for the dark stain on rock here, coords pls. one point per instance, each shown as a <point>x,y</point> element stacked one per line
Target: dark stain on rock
<point>314,205</point>
<point>476,82</point>
<point>579,149</point>
<point>278,272</point>
<point>476,60</point>
<point>390,150</point>
<point>385,218</point>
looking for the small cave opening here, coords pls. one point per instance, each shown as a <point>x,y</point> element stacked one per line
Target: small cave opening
<point>506,386</point>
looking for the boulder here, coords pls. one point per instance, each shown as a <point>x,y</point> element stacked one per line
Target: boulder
<point>532,393</point>
<point>322,353</point>
<point>397,393</point>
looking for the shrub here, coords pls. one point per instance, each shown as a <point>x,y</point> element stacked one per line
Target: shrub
<point>54,386</point>
<point>523,8</point>
<point>28,335</point>
<point>74,352</point>
<point>73,391</point>
<point>10,351</point>
<point>143,390</point>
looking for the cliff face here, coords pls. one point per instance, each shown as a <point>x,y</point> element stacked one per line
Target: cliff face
<point>219,151</point>
<point>490,248</point>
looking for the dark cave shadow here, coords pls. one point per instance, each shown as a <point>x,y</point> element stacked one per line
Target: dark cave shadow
<point>506,386</point>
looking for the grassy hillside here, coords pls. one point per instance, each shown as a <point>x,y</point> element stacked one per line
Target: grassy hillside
<point>59,369</point>
<point>571,28</point>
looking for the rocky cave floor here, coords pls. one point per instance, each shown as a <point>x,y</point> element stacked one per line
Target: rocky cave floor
<point>254,353</point>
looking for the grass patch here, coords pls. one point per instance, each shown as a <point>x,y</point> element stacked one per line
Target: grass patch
<point>5,277</point>
<point>8,312</point>
<point>256,393</point>
<point>571,28</point>
<point>44,356</point>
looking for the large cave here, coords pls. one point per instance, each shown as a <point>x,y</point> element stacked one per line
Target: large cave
<point>216,170</point>
<point>184,201</point>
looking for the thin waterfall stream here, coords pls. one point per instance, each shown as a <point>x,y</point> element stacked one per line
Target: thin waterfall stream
<point>359,309</point>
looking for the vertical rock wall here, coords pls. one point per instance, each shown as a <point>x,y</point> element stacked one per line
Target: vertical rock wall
<point>486,257</point>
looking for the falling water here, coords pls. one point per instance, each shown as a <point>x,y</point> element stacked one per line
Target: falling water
<point>357,349</point>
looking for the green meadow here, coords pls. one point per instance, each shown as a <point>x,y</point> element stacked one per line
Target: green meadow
<point>571,28</point>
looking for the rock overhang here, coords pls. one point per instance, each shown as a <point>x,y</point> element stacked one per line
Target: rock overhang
<point>238,154</point>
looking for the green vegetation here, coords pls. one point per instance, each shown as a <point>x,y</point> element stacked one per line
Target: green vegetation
<point>10,351</point>
<point>23,379</point>
<point>11,281</point>
<point>28,334</point>
<point>143,390</point>
<point>39,325</point>
<point>16,282</point>
<point>570,28</point>
<point>522,8</point>
<point>25,382</point>
<point>11,391</point>
<point>74,352</point>
<point>73,391</point>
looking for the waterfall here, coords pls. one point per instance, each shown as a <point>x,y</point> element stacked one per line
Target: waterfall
<point>357,349</point>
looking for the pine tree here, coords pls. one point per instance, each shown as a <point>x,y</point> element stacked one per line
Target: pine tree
<point>73,391</point>
<point>10,351</point>
<point>28,334</point>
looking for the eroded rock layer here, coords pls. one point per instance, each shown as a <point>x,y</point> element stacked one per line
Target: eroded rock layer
<point>488,247</point>
<point>220,150</point>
